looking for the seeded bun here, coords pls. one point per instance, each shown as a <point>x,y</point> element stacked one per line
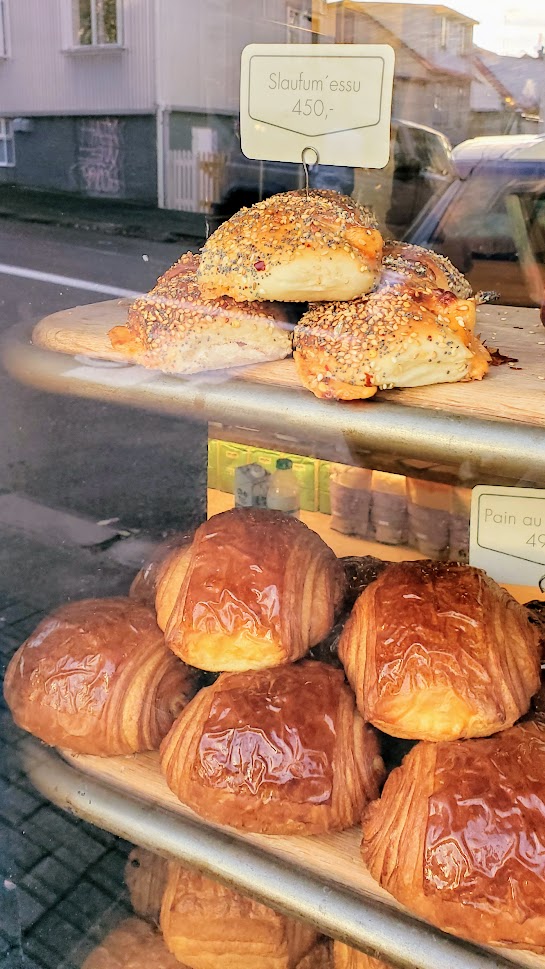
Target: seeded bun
<point>293,247</point>
<point>404,263</point>
<point>397,337</point>
<point>175,329</point>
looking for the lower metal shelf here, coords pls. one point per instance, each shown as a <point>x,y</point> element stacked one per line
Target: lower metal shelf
<point>347,915</point>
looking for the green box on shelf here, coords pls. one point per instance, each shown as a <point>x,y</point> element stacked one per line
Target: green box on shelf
<point>230,457</point>
<point>305,470</point>
<point>213,463</point>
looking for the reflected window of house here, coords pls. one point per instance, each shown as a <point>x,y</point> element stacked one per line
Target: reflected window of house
<point>445,31</point>
<point>7,143</point>
<point>4,31</point>
<point>297,23</point>
<point>96,22</point>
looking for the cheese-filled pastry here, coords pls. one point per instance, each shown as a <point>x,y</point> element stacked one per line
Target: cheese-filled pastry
<point>293,246</point>
<point>256,588</point>
<point>439,651</point>
<point>278,751</point>
<point>176,329</point>
<point>134,944</point>
<point>458,836</point>
<point>96,677</point>
<point>404,263</point>
<point>398,336</point>
<point>209,926</point>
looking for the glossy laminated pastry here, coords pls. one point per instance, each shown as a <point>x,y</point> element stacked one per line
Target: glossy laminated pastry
<point>344,957</point>
<point>209,926</point>
<point>96,677</point>
<point>319,957</point>
<point>439,651</point>
<point>398,336</point>
<point>293,246</point>
<point>134,944</point>
<point>144,584</point>
<point>407,264</point>
<point>458,836</point>
<point>176,329</point>
<point>278,751</point>
<point>256,588</point>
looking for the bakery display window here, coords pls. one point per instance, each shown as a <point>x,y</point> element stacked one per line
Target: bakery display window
<point>272,513</point>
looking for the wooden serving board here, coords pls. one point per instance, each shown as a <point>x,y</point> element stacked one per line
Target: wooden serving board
<point>336,857</point>
<point>505,393</point>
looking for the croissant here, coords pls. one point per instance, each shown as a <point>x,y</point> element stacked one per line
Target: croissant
<point>405,263</point>
<point>294,246</point>
<point>256,589</point>
<point>207,926</point>
<point>345,957</point>
<point>96,677</point>
<point>144,585</point>
<point>146,877</point>
<point>439,651</point>
<point>175,329</point>
<point>398,336</point>
<point>278,751</point>
<point>133,944</point>
<point>319,957</point>
<point>458,836</point>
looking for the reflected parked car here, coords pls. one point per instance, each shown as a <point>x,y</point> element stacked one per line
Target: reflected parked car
<point>420,168</point>
<point>491,221</point>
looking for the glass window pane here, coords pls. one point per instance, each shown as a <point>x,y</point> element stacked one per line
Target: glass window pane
<point>3,152</point>
<point>10,152</point>
<point>82,28</point>
<point>106,12</point>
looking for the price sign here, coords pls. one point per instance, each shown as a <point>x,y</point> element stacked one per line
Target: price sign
<point>507,536</point>
<point>335,98</point>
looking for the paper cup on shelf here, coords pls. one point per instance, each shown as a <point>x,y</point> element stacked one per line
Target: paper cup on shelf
<point>429,509</point>
<point>350,497</point>
<point>389,523</point>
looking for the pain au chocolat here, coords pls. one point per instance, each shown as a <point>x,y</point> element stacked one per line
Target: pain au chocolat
<point>398,336</point>
<point>458,836</point>
<point>439,651</point>
<point>146,877</point>
<point>176,329</point>
<point>345,957</point>
<point>207,925</point>
<point>293,246</point>
<point>134,944</point>
<point>255,589</point>
<point>96,677</point>
<point>278,751</point>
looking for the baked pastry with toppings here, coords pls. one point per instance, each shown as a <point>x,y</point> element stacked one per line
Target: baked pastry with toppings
<point>439,651</point>
<point>256,588</point>
<point>458,836</point>
<point>205,924</point>
<point>175,329</point>
<point>133,944</point>
<point>278,751</point>
<point>405,264</point>
<point>398,336</point>
<point>293,246</point>
<point>96,677</point>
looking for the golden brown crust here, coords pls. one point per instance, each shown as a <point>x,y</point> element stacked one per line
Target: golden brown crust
<point>293,247</point>
<point>133,944</point>
<point>399,336</point>
<point>280,751</point>
<point>256,588</point>
<point>96,677</point>
<point>405,263</point>
<point>146,878</point>
<point>439,651</point>
<point>458,836</point>
<point>175,329</point>
<point>319,957</point>
<point>209,925</point>
<point>345,957</point>
<point>144,585</point>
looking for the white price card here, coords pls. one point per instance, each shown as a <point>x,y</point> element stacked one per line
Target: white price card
<point>507,535</point>
<point>333,98</point>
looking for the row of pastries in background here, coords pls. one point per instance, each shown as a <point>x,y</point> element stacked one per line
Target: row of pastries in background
<point>189,920</point>
<point>234,665</point>
<point>310,272</point>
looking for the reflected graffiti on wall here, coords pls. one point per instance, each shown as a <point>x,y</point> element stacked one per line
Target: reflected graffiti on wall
<point>100,155</point>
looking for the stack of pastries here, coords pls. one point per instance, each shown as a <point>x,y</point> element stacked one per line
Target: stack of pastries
<point>279,743</point>
<point>378,315</point>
